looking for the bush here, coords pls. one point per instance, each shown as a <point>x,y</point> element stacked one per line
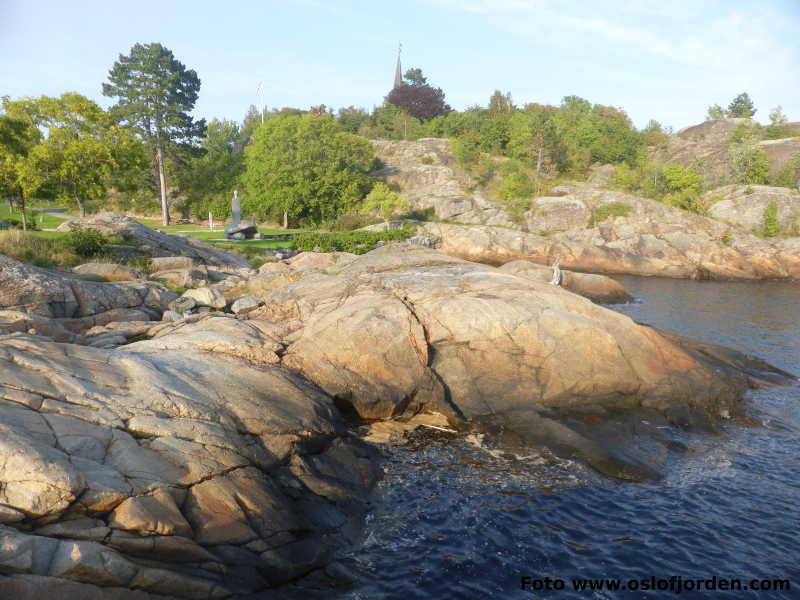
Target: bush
<point>85,242</point>
<point>771,225</point>
<point>604,211</point>
<point>384,201</point>
<point>356,242</point>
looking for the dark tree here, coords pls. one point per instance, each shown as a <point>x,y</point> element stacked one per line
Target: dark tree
<point>741,106</point>
<point>422,102</point>
<point>418,98</point>
<point>156,93</point>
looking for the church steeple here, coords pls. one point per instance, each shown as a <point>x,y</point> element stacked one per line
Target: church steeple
<point>398,71</point>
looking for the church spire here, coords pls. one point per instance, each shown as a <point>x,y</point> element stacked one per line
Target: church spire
<point>398,72</point>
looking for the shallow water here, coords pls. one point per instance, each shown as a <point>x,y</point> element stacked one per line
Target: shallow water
<point>452,520</point>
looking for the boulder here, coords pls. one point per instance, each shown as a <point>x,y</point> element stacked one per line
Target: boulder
<point>245,230</point>
<point>194,277</point>
<point>155,243</point>
<point>171,263</point>
<point>182,304</point>
<point>207,296</point>
<point>108,272</point>
<point>245,304</point>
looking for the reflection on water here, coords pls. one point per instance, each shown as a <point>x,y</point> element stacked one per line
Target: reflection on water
<point>453,520</point>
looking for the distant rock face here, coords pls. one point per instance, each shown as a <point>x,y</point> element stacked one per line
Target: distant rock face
<point>156,243</point>
<point>651,239</point>
<point>708,145</point>
<point>429,178</point>
<point>745,206</point>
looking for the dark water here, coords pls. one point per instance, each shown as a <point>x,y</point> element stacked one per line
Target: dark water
<point>454,521</point>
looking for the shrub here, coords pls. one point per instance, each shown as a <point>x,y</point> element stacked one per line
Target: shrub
<point>727,238</point>
<point>356,242</point>
<point>384,201</point>
<point>427,160</point>
<point>604,211</point>
<point>85,242</point>
<point>771,225</point>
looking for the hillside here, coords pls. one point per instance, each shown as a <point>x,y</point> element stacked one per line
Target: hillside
<point>590,226</point>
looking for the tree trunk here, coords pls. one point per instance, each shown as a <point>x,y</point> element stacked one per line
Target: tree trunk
<point>162,181</point>
<point>81,207</point>
<point>21,206</point>
<point>285,220</point>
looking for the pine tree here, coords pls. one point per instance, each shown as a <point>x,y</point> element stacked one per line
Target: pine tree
<point>741,106</point>
<point>156,93</point>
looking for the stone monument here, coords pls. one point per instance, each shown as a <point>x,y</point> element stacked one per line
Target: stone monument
<point>238,229</point>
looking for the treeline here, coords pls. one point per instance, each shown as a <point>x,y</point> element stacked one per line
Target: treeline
<point>311,166</point>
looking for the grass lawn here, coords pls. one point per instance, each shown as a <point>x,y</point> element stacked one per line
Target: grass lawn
<point>216,237</point>
<point>42,220</point>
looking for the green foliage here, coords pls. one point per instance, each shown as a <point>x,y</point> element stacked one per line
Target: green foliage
<point>742,133</point>
<point>307,166</point>
<point>672,184</point>
<point>427,160</point>
<point>777,128</point>
<point>208,181</point>
<point>356,242</point>
<point>716,112</point>
<point>654,134</point>
<point>392,123</point>
<point>749,163</point>
<point>771,225</point>
<point>351,118</point>
<point>467,149</point>
<point>415,77</point>
<point>384,201</point>
<point>604,211</point>
<point>85,243</point>
<point>727,238</point>
<point>741,106</point>
<point>516,182</point>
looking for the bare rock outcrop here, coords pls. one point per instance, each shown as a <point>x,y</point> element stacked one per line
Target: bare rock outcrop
<point>598,288</point>
<point>50,294</point>
<point>213,459</point>
<point>746,205</point>
<point>475,340</point>
<point>172,468</point>
<point>651,239</point>
<point>155,243</point>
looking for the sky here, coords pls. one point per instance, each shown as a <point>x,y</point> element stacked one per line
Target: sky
<point>654,59</point>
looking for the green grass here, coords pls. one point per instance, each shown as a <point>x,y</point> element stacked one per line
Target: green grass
<point>612,209</point>
<point>40,220</point>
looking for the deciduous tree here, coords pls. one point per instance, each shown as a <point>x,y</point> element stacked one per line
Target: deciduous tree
<point>306,167</point>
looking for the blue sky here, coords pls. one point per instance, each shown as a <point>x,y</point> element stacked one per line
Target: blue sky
<point>655,59</point>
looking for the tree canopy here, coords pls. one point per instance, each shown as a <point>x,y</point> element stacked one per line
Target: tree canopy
<point>741,106</point>
<point>421,100</point>
<point>306,166</point>
<point>155,94</point>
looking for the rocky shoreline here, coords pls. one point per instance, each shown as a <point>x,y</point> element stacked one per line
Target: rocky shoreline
<point>215,455</point>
